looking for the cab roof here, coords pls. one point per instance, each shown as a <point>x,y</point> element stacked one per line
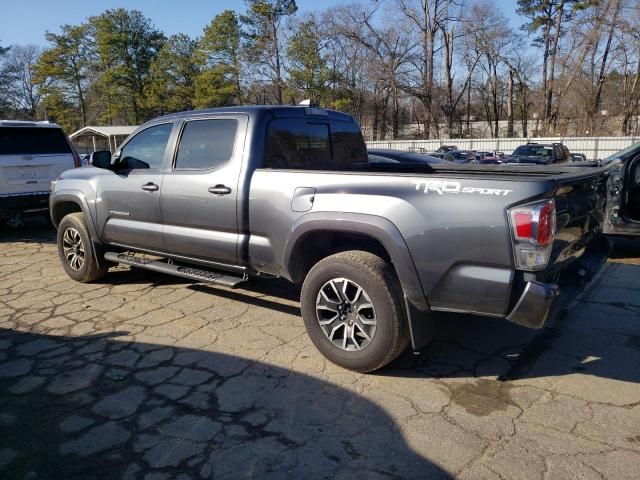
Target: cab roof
<point>259,110</point>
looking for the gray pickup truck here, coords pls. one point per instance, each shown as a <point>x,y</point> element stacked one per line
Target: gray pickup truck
<point>227,194</point>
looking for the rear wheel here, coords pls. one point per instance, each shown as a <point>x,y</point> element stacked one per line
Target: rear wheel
<point>75,250</point>
<point>352,310</point>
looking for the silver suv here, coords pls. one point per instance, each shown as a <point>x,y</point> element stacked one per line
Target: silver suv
<point>32,154</point>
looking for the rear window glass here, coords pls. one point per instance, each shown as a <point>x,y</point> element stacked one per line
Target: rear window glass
<point>308,145</point>
<point>32,141</point>
<point>206,144</point>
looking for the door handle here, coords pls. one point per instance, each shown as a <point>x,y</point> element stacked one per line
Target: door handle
<point>150,187</point>
<point>220,190</point>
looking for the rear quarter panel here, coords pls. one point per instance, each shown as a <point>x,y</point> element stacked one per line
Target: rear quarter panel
<point>457,239</point>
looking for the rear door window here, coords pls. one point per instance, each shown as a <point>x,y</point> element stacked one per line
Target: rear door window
<point>313,145</point>
<point>32,141</point>
<point>206,144</point>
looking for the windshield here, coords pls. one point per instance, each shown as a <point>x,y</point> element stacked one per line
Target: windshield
<point>533,151</point>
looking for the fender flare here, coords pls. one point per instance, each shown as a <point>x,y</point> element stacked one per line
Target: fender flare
<point>373,226</point>
<point>419,315</point>
<point>79,199</point>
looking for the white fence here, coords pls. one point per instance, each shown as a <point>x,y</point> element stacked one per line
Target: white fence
<point>592,147</point>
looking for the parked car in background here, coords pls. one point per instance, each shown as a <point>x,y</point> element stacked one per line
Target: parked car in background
<point>382,156</point>
<point>446,148</point>
<point>540,154</point>
<point>490,158</point>
<point>578,157</point>
<point>422,150</point>
<point>460,156</point>
<point>223,195</point>
<point>456,156</point>
<point>481,154</point>
<point>32,154</point>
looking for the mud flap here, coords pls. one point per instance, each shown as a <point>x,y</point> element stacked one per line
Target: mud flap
<point>421,325</point>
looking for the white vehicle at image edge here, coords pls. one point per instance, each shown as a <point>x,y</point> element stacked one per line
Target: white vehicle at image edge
<point>32,154</point>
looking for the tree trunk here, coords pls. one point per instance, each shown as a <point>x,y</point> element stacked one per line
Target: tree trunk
<point>494,98</point>
<point>469,109</point>
<point>384,114</point>
<point>605,55</point>
<point>375,125</point>
<point>545,61</point>
<point>510,105</point>
<point>554,52</point>
<point>278,72</point>
<point>524,109</point>
<point>395,129</point>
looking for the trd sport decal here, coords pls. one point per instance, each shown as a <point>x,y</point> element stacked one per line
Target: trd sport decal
<point>441,188</point>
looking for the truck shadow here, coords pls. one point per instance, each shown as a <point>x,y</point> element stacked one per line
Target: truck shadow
<point>601,339</point>
<point>470,346</point>
<point>98,407</point>
<point>624,248</point>
<point>594,344</point>
<point>35,229</point>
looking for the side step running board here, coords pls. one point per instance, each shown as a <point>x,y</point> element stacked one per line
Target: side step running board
<point>190,272</point>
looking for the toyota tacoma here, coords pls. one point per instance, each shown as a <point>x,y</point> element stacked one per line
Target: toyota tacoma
<point>224,195</point>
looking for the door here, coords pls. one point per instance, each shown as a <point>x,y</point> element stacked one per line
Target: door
<point>632,193</point>
<point>623,202</point>
<point>128,205</point>
<point>559,154</point>
<point>199,198</point>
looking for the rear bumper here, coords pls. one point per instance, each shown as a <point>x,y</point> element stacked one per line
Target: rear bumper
<point>539,301</point>
<point>533,306</point>
<point>22,202</point>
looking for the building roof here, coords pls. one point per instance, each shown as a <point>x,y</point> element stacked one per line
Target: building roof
<point>109,131</point>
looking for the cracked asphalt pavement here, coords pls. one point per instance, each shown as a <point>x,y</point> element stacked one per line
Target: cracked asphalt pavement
<point>149,376</point>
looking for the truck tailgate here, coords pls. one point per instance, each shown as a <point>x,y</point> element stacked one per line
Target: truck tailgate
<point>580,214</point>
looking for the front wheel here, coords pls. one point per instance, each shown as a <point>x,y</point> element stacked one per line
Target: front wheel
<point>352,310</point>
<point>75,250</point>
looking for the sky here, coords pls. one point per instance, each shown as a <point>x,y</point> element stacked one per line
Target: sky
<point>26,21</point>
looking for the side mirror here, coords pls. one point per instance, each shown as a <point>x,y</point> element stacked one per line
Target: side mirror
<point>101,159</point>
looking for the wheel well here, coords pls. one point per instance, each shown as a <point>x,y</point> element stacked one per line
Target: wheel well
<point>315,246</point>
<point>62,209</point>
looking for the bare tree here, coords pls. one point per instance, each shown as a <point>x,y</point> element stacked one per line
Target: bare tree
<point>390,47</point>
<point>492,38</point>
<point>628,65</point>
<point>350,59</point>
<point>522,69</point>
<point>20,91</point>
<point>427,17</point>
<point>454,30</point>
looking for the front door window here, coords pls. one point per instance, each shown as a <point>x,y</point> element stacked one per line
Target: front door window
<point>146,150</point>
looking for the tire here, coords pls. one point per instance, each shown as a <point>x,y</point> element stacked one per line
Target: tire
<point>76,250</point>
<point>376,312</point>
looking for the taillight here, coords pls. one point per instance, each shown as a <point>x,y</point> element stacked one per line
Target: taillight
<point>546,224</point>
<point>522,224</point>
<point>533,229</point>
